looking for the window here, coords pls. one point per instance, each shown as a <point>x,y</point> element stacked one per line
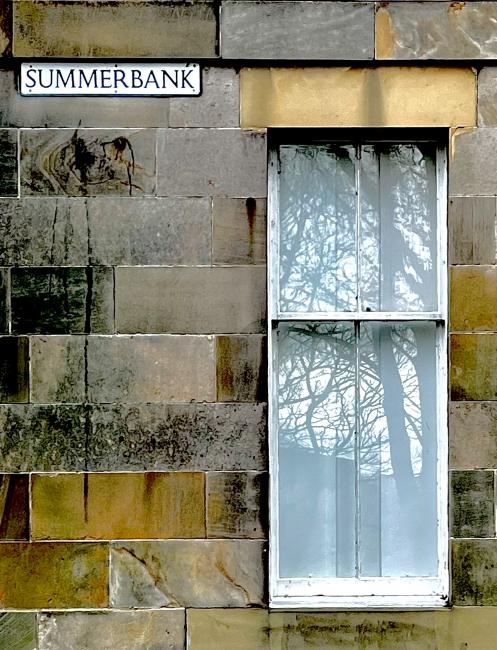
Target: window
<point>358,396</point>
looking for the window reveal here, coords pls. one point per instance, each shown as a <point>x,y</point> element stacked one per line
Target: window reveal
<point>357,288</point>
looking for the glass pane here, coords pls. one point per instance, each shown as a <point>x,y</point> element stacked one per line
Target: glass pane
<point>398,227</point>
<point>316,401</point>
<point>318,268</point>
<point>398,450</point>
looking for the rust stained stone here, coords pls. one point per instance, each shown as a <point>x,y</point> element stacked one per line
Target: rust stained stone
<point>14,506</point>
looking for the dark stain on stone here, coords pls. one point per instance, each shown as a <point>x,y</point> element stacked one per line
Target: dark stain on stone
<point>89,298</point>
<point>14,368</point>
<point>14,506</point>
<point>251,206</point>
<point>459,394</point>
<point>85,494</point>
<point>84,159</point>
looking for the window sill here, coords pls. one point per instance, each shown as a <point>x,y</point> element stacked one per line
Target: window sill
<point>364,602</point>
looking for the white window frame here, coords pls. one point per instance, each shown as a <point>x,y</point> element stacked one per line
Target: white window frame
<point>380,592</point>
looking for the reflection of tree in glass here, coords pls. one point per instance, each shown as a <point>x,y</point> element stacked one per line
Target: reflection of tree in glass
<point>317,228</point>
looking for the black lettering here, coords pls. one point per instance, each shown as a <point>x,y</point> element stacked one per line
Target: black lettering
<point>119,76</point>
<point>184,75</point>
<point>89,82</point>
<point>40,78</point>
<point>59,79</point>
<point>105,81</point>
<point>29,74</point>
<point>151,79</point>
<point>136,77</point>
<point>174,81</point>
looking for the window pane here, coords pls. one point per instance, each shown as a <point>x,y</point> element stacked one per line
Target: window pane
<point>398,228</point>
<point>317,392</point>
<point>318,269</point>
<point>398,450</point>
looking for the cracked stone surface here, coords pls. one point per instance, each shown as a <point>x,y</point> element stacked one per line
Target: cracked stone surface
<point>187,573</point>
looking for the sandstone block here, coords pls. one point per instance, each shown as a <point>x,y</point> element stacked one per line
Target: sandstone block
<point>168,231</point>
<point>8,156</point>
<point>192,573</point>
<point>48,232</point>
<point>14,369</point>
<point>473,294</point>
<point>211,162</point>
<point>472,225</point>
<point>58,369</point>
<point>84,112</point>
<point>487,96</point>
<point>218,105</point>
<point>82,29</point>
<point>14,507</point>
<point>237,504</point>
<point>191,300</point>
<point>87,162</point>
<point>5,28</point>
<point>42,438</point>
<point>473,163</point>
<point>18,630</point>
<point>473,372</point>
<point>111,630</point>
<point>118,506</point>
<point>60,575</point>
<point>239,231</point>
<point>49,300</point>
<point>472,504</point>
<point>297,30</point>
<point>474,572</point>
<point>151,369</point>
<point>436,30</point>
<point>178,437</point>
<point>241,368</point>
<point>237,629</point>
<point>470,422</point>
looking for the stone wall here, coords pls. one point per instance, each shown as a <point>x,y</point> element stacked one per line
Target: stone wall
<point>133,427</point>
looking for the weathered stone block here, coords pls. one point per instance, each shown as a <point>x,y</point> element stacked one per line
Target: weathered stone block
<point>211,162</point>
<point>150,369</point>
<point>472,225</point>
<point>101,289</point>
<point>18,630</point>
<point>43,232</point>
<point>87,162</point>
<point>140,630</point>
<point>178,437</point>
<point>473,371</point>
<point>241,368</point>
<point>473,167</point>
<point>191,300</point>
<point>297,30</point>
<point>49,300</point>
<point>167,231</point>
<point>8,158</point>
<point>474,571</point>
<point>372,630</point>
<point>118,506</point>
<point>218,105</point>
<point>5,28</point>
<point>237,504</point>
<point>487,96</point>
<point>14,507</point>
<point>42,438</point>
<point>473,435</point>
<point>239,231</point>
<point>436,30</point>
<point>472,627</point>
<point>473,295</point>
<point>83,112</point>
<point>472,504</point>
<point>4,301</point>
<point>57,369</point>
<point>237,629</point>
<point>47,575</point>
<point>152,29</point>
<point>14,369</point>
<point>192,573</point>
<point>348,96</point>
